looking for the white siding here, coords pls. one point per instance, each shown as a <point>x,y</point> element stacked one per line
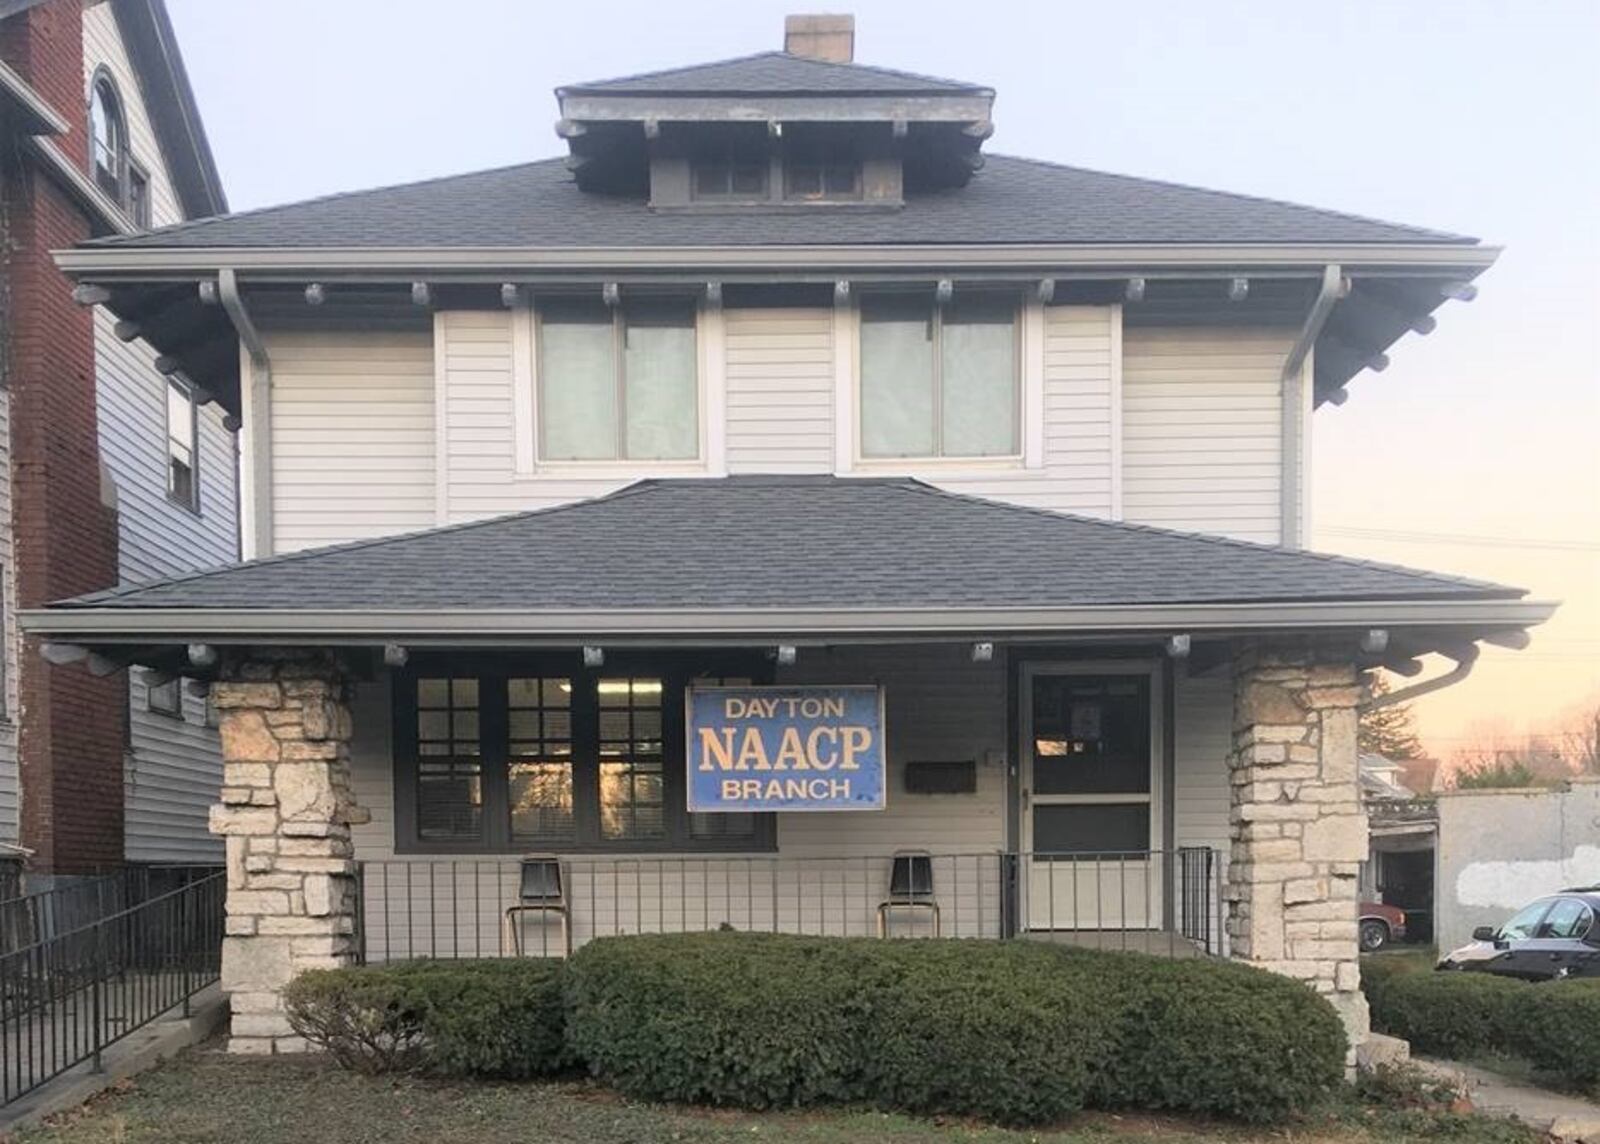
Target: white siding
<point>352,435</point>
<point>8,635</point>
<point>1202,426</point>
<point>1202,739</point>
<point>780,391</point>
<point>173,768</point>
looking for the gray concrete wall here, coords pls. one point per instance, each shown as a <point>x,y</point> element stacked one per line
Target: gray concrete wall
<point>1498,850</point>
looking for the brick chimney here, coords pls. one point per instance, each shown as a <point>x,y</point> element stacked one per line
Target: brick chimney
<point>821,37</point>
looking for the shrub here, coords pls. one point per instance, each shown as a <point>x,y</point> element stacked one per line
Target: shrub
<point>477,1018</point>
<point>1452,1013</point>
<point>1378,971</point>
<point>1218,1037</point>
<point>1012,1032</point>
<point>1558,1029</point>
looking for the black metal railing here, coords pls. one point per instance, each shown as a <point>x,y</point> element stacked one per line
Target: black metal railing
<point>28,917</point>
<point>65,998</point>
<point>1167,902</point>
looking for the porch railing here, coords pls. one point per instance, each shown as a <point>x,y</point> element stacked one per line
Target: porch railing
<point>1167,902</point>
<point>29,917</point>
<point>66,997</point>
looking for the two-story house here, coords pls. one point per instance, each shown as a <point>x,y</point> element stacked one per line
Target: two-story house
<point>670,534</point>
<point>116,463</point>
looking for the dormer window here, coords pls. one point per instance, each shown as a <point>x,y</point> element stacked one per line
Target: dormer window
<point>821,180</point>
<point>730,178</point>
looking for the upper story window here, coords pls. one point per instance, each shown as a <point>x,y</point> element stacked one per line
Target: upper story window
<point>814,173</point>
<point>182,485</point>
<point>618,383</point>
<point>730,177</point>
<point>139,196</point>
<point>939,381</point>
<point>108,138</point>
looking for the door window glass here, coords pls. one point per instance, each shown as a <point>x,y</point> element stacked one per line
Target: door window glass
<point>1091,735</point>
<point>1568,918</point>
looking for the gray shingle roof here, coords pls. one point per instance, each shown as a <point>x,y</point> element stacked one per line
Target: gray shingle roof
<point>788,542</point>
<point>1009,201</point>
<point>775,73</point>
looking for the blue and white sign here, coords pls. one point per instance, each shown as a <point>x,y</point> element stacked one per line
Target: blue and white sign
<point>785,748</point>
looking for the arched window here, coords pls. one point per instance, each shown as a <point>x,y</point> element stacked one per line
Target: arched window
<point>108,135</point>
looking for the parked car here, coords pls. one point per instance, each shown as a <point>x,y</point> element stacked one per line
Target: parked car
<point>1553,937</point>
<point>1380,925</point>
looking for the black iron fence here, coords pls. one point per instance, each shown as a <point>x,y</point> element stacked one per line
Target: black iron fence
<point>1167,902</point>
<point>67,996</point>
<point>73,901</point>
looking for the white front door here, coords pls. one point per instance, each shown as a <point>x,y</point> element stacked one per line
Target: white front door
<point>1091,797</point>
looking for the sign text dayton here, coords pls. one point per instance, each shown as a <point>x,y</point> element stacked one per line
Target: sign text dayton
<point>785,748</point>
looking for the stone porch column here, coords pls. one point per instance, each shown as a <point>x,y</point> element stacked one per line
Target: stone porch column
<point>1299,830</point>
<point>285,817</point>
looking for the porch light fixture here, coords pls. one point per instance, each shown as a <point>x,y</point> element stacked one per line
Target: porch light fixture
<point>87,294</point>
<point>202,655</point>
<point>1375,641</point>
<point>510,295</point>
<point>1238,289</point>
<point>1178,645</point>
<point>1135,290</point>
<point>786,654</point>
<point>315,294</point>
<point>594,656</point>
<point>982,652</point>
<point>395,655</point>
<point>420,294</point>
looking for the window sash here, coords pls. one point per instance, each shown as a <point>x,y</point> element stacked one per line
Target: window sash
<point>618,383</point>
<point>182,445</point>
<point>939,382</point>
<point>656,781</point>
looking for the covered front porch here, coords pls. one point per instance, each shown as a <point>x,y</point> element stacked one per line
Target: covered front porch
<point>478,741</point>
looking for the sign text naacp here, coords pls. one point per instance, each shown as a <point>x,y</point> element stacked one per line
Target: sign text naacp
<point>785,748</point>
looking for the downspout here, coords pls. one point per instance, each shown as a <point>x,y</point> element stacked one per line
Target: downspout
<point>256,404</point>
<point>1291,479</point>
<point>1465,658</point>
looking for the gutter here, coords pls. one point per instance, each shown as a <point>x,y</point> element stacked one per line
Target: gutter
<point>1465,659</point>
<point>255,471</point>
<point>491,264</point>
<point>1293,481</point>
<point>1441,619</point>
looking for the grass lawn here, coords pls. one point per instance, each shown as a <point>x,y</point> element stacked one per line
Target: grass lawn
<point>206,1095</point>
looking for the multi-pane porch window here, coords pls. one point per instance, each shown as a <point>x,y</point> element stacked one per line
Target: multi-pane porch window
<point>618,382</point>
<point>543,755</point>
<point>939,380</point>
<point>539,763</point>
<point>632,792</point>
<point>449,760</point>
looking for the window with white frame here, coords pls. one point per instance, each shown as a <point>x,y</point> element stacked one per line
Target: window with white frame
<point>183,486</point>
<point>618,382</point>
<point>108,138</point>
<point>937,380</point>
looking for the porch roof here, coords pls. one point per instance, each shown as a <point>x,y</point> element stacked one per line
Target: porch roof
<point>783,554</point>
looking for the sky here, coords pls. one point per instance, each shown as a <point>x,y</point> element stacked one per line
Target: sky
<point>1477,451</point>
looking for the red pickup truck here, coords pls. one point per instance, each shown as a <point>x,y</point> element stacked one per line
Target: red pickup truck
<point>1380,925</point>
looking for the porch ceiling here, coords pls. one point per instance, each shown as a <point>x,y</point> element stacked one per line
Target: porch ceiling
<point>756,556</point>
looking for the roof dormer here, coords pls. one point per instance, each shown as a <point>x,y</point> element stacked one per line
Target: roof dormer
<point>802,127</point>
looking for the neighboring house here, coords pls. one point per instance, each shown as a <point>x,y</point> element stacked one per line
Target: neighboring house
<point>1403,825</point>
<point>120,467</point>
<point>777,378</point>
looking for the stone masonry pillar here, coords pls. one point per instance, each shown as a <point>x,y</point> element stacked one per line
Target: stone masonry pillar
<point>1299,830</point>
<point>285,816</point>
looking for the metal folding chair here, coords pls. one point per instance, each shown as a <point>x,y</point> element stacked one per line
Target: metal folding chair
<point>540,892</point>
<point>910,888</point>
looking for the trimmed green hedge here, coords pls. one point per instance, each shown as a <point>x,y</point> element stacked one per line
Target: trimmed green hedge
<point>1014,1032</point>
<point>1555,1025</point>
<point>465,1018</point>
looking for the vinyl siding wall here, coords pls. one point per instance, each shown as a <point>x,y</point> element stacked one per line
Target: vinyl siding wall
<point>173,768</point>
<point>1202,429</point>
